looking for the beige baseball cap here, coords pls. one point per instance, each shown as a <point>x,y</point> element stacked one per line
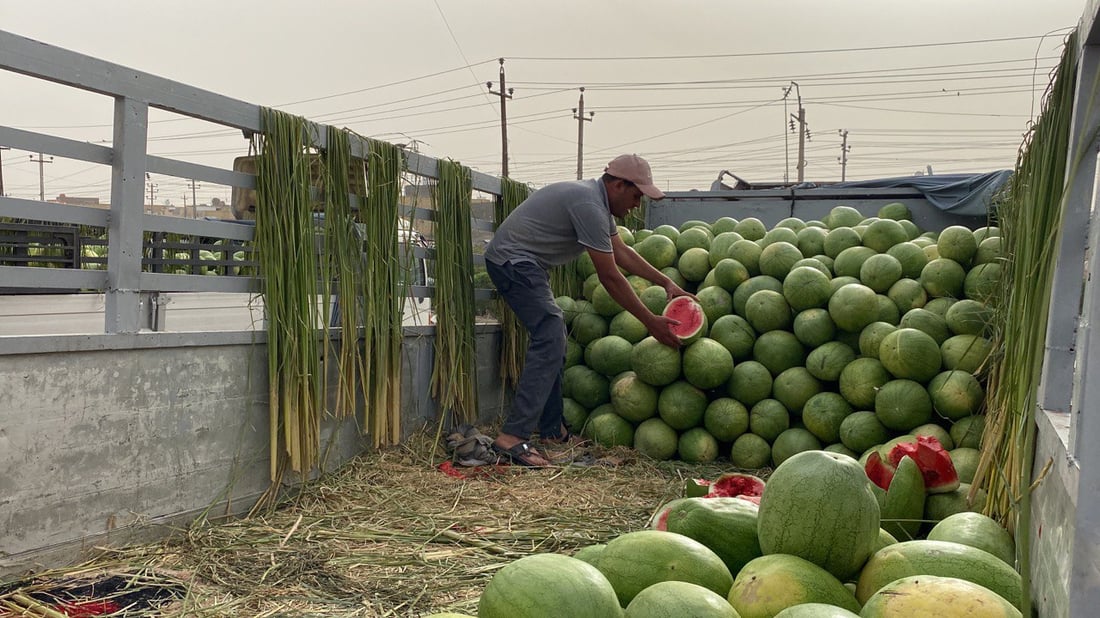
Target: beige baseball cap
<point>635,169</point>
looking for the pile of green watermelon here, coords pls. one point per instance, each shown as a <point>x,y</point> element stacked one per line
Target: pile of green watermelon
<point>840,334</point>
<point>815,546</point>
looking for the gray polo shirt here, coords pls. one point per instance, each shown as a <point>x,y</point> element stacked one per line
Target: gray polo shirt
<point>555,224</point>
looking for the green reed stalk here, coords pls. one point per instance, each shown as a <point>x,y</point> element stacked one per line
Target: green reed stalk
<point>454,373</point>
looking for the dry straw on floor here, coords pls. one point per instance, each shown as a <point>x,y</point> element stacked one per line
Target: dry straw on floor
<point>388,535</point>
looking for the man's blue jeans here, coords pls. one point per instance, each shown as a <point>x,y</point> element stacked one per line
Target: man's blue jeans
<point>537,404</point>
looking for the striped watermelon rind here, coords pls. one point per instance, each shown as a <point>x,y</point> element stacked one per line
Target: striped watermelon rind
<point>941,559</point>
<point>819,506</point>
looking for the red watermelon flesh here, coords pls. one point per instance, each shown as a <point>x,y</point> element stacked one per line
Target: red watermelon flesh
<point>737,485</point>
<point>689,313</point>
<point>880,472</point>
<point>934,462</point>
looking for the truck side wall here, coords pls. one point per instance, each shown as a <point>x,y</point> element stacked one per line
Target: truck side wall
<point>772,206</point>
<point>109,444</point>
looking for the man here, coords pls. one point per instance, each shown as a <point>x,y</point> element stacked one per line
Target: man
<point>552,226</point>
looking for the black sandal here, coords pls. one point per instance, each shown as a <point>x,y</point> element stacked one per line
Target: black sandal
<point>567,439</point>
<point>519,454</point>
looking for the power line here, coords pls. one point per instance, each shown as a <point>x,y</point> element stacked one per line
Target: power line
<point>781,53</point>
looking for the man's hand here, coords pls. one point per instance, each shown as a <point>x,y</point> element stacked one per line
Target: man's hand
<point>674,290</point>
<point>660,327</point>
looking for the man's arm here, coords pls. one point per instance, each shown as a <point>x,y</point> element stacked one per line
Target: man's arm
<point>619,289</point>
<point>635,264</point>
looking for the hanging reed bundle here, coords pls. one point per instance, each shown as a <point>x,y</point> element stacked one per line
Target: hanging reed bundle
<point>342,263</point>
<point>382,294</point>
<point>286,259</point>
<point>513,336</point>
<point>1030,220</point>
<point>454,374</point>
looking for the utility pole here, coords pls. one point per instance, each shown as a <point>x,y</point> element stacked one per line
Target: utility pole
<point>194,200</point>
<point>152,189</point>
<point>41,175</point>
<point>844,150</point>
<point>2,149</point>
<point>504,96</point>
<point>578,113</point>
<point>786,140</point>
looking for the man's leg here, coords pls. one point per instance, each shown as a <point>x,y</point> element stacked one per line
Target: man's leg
<point>525,286</point>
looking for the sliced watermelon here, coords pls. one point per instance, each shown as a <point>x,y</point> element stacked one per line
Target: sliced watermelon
<point>689,313</point>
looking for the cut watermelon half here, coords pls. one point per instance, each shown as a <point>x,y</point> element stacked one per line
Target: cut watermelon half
<point>689,313</point>
<point>934,462</point>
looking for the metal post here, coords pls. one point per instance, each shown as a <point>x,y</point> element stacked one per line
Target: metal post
<point>123,297</point>
<point>2,149</point>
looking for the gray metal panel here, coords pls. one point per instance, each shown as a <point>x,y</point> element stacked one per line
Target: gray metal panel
<point>1056,386</point>
<point>59,146</point>
<point>198,227</point>
<point>1084,593</point>
<point>52,278</point>
<point>161,282</point>
<point>43,211</point>
<point>183,169</point>
<point>123,310</point>
<point>62,66</point>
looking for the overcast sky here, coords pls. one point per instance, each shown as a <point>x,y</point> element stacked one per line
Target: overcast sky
<point>697,86</point>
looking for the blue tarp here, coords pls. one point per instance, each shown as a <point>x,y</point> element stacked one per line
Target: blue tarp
<point>960,194</point>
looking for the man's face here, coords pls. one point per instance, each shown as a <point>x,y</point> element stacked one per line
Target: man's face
<point>623,197</point>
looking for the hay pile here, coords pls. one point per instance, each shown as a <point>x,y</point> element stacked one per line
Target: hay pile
<point>388,535</point>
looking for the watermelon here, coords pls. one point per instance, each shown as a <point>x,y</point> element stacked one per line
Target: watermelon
<point>936,467</point>
<point>750,451</point>
<point>941,559</point>
<point>545,585</point>
<point>610,430</point>
<point>697,446</point>
<point>902,505</point>
<point>818,506</point>
<point>929,595</point>
<point>694,264</point>
<point>659,250</point>
<point>707,363</point>
<point>633,399</point>
<point>737,484</point>
<point>725,525</point>
<point>690,315</point>
<point>816,610</point>
<point>726,418</point>
<point>772,583</point>
<point>910,354</point>
<point>750,382</point>
<point>769,418</point>
<point>654,362</point>
<point>636,560</point>
<point>792,442</point>
<point>590,553</point>
<point>681,405</point>
<point>672,599</point>
<point>976,530</point>
<point>653,438</point>
<point>716,302</point>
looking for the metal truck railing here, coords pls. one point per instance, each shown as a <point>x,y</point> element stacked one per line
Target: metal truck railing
<point>143,256</point>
